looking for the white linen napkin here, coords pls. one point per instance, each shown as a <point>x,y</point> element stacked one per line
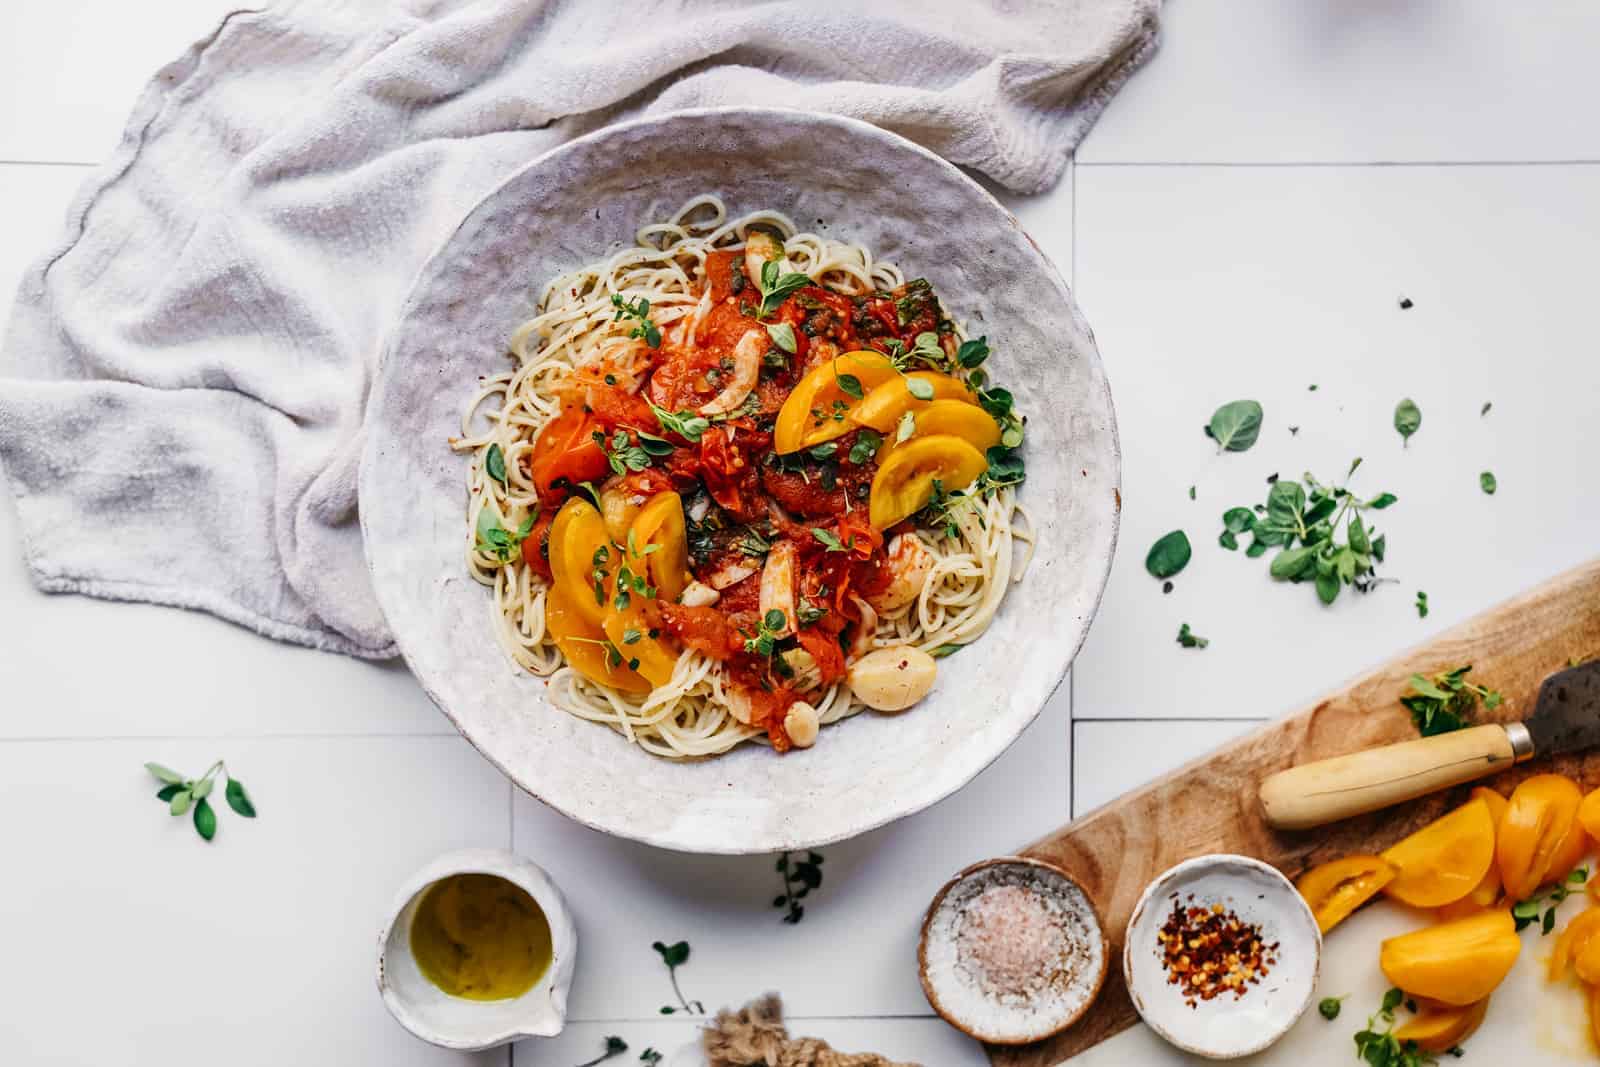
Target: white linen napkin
<point>184,376</point>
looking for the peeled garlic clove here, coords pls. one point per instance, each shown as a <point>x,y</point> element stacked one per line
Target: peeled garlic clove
<point>892,679</point>
<point>802,724</point>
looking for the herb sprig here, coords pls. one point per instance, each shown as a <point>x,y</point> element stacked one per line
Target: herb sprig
<point>686,424</point>
<point>1441,704</point>
<point>625,453</point>
<point>498,542</point>
<point>776,286</point>
<point>800,877</point>
<point>637,309</point>
<point>1380,1048</point>
<point>615,1046</point>
<point>183,794</point>
<point>674,956</point>
<point>1189,639</point>
<point>1313,515</point>
<point>1407,420</point>
<point>1235,427</point>
<point>768,633</point>
<point>1527,912</point>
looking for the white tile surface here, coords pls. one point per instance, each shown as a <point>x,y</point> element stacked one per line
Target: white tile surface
<point>131,941</point>
<point>1358,81</point>
<point>1110,758</point>
<point>1210,284</point>
<point>854,953</point>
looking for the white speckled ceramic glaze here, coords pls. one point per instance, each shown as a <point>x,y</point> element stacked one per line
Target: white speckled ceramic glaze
<point>1225,1028</point>
<point>454,1022</point>
<point>841,178</point>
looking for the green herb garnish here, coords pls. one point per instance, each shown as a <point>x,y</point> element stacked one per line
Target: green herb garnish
<point>1487,482</point>
<point>1441,704</point>
<point>1380,1048</point>
<point>1169,555</point>
<point>782,335</point>
<point>637,309</point>
<point>1407,419</point>
<point>829,540</point>
<point>674,956</point>
<point>1328,1007</point>
<point>181,794</point>
<point>866,446</point>
<point>800,877</point>
<point>775,287</point>
<point>495,540</point>
<point>494,464</point>
<point>615,1046</point>
<point>768,633</point>
<point>1307,526</point>
<point>621,453</point>
<point>1422,604</point>
<point>1527,912</point>
<point>686,424</point>
<point>1189,639</point>
<point>1235,427</point>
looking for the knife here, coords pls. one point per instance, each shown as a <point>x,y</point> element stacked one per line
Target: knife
<point>1566,718</point>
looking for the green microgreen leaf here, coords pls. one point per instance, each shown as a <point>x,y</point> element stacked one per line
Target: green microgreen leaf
<point>1169,555</point>
<point>1235,426</point>
<point>1407,419</point>
<point>1487,482</point>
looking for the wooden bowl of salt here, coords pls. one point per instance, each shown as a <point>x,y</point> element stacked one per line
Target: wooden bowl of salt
<point>1011,951</point>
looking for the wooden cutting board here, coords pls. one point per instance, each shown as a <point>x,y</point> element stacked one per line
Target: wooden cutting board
<point>1211,806</point>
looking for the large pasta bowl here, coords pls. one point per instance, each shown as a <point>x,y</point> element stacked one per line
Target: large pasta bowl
<point>848,180</point>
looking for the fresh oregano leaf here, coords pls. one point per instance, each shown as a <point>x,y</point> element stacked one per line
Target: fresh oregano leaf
<point>1487,482</point>
<point>920,388</point>
<point>205,819</point>
<point>782,335</point>
<point>1235,426</point>
<point>1407,418</point>
<point>495,464</point>
<point>238,799</point>
<point>1169,555</point>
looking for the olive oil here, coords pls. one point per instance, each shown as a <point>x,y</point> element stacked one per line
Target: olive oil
<point>479,937</point>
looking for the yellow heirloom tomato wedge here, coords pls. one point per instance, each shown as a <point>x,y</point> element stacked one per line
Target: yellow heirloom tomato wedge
<point>1573,939</point>
<point>904,482</point>
<point>1486,892</point>
<point>1456,962</point>
<point>1533,832</point>
<point>1445,860</point>
<point>576,537</point>
<point>631,632</point>
<point>583,644</point>
<point>1334,890</point>
<point>957,418</point>
<point>881,409</point>
<point>816,408</point>
<point>1440,1027</point>
<point>1589,814</point>
<point>658,546</point>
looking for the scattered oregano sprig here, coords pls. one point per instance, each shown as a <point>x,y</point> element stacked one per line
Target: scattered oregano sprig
<point>1441,704</point>
<point>1527,912</point>
<point>190,794</point>
<point>800,877</point>
<point>674,956</point>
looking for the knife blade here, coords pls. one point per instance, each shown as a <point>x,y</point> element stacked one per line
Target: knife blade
<point>1566,718</point>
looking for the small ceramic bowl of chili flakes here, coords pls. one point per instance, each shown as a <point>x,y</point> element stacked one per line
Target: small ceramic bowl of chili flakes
<point>1221,956</point>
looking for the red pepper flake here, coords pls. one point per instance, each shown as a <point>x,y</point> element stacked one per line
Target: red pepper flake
<point>1209,950</point>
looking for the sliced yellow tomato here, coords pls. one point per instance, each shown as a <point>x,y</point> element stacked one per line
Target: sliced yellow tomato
<point>1446,859</point>
<point>1486,893</point>
<point>1457,962</point>
<point>1533,832</point>
<point>1335,889</point>
<point>815,410</point>
<point>583,644</point>
<point>579,545</point>
<point>658,546</point>
<point>1439,1027</point>
<point>630,630</point>
<point>904,482</point>
<point>1577,934</point>
<point>881,409</point>
<point>958,418</point>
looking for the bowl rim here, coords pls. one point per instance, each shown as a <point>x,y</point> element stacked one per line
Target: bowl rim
<point>963,875</point>
<point>1205,863</point>
<point>904,804</point>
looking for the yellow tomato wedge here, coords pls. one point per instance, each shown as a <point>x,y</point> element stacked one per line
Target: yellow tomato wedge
<point>1439,1027</point>
<point>881,409</point>
<point>1533,832</point>
<point>581,642</point>
<point>576,537</point>
<point>958,418</point>
<point>1458,962</point>
<point>658,546</point>
<point>1578,933</point>
<point>904,482</point>
<point>1335,889</point>
<point>1446,859</point>
<point>630,631</point>
<point>1486,892</point>
<point>815,409</point>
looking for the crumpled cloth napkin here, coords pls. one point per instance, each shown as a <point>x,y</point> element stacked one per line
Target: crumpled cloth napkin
<point>184,377</point>
<point>755,1036</point>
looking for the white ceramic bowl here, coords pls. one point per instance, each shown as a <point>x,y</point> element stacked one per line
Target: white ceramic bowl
<point>1225,1028</point>
<point>842,178</point>
<point>455,1022</point>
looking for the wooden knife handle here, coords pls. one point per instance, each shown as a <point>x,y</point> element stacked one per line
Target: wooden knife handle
<point>1331,789</point>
